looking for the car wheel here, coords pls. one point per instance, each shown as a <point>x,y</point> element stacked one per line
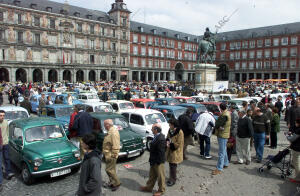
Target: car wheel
<point>149,140</point>
<point>26,175</point>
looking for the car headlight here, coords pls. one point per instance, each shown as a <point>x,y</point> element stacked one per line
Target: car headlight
<point>144,140</point>
<point>121,145</point>
<point>76,154</point>
<point>38,162</point>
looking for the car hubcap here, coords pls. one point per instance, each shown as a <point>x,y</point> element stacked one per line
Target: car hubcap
<point>25,174</point>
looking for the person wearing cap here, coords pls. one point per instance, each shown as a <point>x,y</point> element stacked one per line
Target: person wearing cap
<point>260,126</point>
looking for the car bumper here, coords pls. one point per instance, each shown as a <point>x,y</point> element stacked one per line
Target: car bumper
<point>49,171</point>
<point>132,153</point>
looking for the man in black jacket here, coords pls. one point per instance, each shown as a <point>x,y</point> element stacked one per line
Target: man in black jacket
<point>157,161</point>
<point>293,114</point>
<point>187,126</point>
<point>244,133</point>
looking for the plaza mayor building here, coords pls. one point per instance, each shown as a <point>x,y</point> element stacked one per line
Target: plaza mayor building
<point>42,40</point>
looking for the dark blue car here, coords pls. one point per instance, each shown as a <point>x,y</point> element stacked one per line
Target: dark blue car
<point>170,111</point>
<point>167,101</point>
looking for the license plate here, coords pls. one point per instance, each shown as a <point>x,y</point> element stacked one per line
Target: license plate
<point>134,154</point>
<point>60,173</point>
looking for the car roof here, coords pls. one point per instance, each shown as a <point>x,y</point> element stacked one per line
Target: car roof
<point>141,111</point>
<point>191,104</point>
<point>118,101</point>
<point>35,121</point>
<point>143,100</point>
<point>211,102</point>
<point>168,98</point>
<point>95,103</point>
<point>170,107</point>
<point>59,106</point>
<point>12,108</point>
<point>105,115</point>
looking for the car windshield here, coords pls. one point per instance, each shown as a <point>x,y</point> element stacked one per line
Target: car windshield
<point>173,102</point>
<point>155,118</point>
<point>43,133</point>
<point>103,108</point>
<point>119,123</point>
<point>179,112</point>
<point>190,101</point>
<point>93,97</point>
<point>74,96</point>
<point>67,111</point>
<point>12,115</point>
<point>126,106</point>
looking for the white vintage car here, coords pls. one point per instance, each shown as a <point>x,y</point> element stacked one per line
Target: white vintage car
<point>14,113</point>
<point>141,121</point>
<point>120,106</point>
<point>88,97</point>
<point>97,107</point>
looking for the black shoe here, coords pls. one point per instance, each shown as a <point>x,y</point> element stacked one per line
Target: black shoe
<point>170,183</point>
<point>107,185</point>
<point>9,176</point>
<point>114,188</point>
<point>1,188</point>
<point>258,161</point>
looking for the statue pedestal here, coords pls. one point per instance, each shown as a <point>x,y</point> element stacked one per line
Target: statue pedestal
<point>206,74</point>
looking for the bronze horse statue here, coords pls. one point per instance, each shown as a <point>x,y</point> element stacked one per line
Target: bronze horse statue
<point>206,49</point>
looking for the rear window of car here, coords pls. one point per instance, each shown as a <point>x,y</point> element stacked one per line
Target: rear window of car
<point>155,118</point>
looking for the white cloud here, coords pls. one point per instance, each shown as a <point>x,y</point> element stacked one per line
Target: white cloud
<point>192,16</point>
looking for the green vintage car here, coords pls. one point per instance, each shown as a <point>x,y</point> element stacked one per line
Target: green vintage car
<point>132,143</point>
<point>39,147</point>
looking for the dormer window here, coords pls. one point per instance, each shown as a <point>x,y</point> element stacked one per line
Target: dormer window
<point>154,31</point>
<point>100,18</point>
<point>17,2</point>
<point>77,14</point>
<point>141,29</point>
<point>187,38</point>
<point>111,21</point>
<point>49,9</point>
<point>177,36</point>
<point>89,16</point>
<point>33,6</point>
<point>165,33</point>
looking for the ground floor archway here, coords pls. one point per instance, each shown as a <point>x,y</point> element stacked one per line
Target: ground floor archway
<point>103,75</point>
<point>67,76</point>
<point>113,75</point>
<point>92,75</point>
<point>179,71</point>
<point>21,75</point>
<point>37,75</point>
<point>52,75</point>
<point>4,75</point>
<point>79,76</point>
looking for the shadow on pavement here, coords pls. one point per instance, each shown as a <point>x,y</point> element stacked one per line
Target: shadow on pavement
<point>142,173</point>
<point>130,184</point>
<point>289,189</point>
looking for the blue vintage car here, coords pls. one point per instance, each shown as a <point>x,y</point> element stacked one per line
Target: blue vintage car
<point>61,112</point>
<point>198,108</point>
<point>167,101</point>
<point>62,99</point>
<point>170,111</point>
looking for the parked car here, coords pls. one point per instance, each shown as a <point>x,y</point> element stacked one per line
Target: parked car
<point>96,107</point>
<point>142,103</point>
<point>40,147</point>
<point>88,97</point>
<point>227,97</point>
<point>14,113</point>
<point>200,98</point>
<point>35,101</point>
<point>62,99</point>
<point>198,108</point>
<point>141,121</point>
<point>185,99</point>
<point>170,111</point>
<point>120,105</point>
<point>167,101</point>
<point>132,143</point>
<point>60,112</point>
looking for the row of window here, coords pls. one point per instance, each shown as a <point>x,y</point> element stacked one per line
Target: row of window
<point>261,54</point>
<point>163,42</point>
<point>260,43</point>
<point>164,53</point>
<point>283,64</point>
<point>51,23</point>
<point>150,63</point>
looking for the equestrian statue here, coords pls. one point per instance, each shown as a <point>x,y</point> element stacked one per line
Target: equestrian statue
<point>207,47</point>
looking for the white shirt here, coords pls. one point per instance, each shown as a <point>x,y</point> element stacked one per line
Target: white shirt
<point>202,122</point>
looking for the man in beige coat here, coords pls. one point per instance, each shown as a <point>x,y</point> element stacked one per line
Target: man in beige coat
<point>111,149</point>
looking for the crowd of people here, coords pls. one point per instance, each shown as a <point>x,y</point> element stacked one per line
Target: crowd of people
<point>237,131</point>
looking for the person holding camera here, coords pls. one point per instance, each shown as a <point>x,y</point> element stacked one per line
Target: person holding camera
<point>157,162</point>
<point>222,131</point>
<point>174,152</point>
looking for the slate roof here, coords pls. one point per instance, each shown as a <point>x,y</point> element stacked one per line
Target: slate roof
<point>268,31</point>
<point>57,7</point>
<point>134,26</point>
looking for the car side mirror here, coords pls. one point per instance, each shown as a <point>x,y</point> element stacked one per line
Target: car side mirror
<point>19,141</point>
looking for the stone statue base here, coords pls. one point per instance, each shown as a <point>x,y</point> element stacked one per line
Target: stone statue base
<point>206,74</point>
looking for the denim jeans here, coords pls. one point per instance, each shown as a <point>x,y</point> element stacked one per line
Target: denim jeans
<point>259,142</point>
<point>206,139</point>
<point>1,173</point>
<point>6,159</point>
<point>223,158</point>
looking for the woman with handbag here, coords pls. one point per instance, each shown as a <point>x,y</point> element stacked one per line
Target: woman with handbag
<point>174,152</point>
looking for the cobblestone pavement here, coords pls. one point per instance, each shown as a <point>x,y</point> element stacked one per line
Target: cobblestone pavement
<point>194,178</point>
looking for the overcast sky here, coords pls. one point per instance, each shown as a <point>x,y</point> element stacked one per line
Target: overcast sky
<point>192,16</point>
